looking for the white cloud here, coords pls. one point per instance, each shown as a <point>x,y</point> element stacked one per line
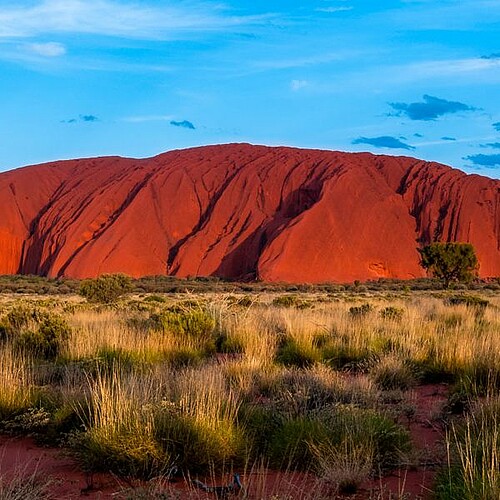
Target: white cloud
<point>334,9</point>
<point>454,66</point>
<point>478,69</point>
<point>113,18</point>
<point>297,85</point>
<point>49,49</point>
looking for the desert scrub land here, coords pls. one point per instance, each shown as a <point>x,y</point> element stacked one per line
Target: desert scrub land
<point>341,391</point>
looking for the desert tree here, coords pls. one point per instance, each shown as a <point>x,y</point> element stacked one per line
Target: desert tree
<point>450,262</point>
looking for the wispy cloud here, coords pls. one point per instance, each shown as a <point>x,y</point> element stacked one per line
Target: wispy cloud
<point>383,142</point>
<point>445,141</point>
<point>446,138</point>
<point>496,126</point>
<point>494,145</point>
<point>183,124</point>
<point>449,67</point>
<point>113,18</point>
<point>491,161</point>
<point>49,49</point>
<point>147,118</point>
<point>430,109</point>
<point>331,10</point>
<point>306,60</point>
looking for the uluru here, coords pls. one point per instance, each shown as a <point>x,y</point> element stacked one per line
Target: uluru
<point>244,212</point>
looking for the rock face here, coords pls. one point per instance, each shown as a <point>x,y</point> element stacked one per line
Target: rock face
<point>242,211</point>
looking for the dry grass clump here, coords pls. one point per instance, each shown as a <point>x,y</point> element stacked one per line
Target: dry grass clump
<point>16,382</point>
<point>473,471</point>
<point>143,423</point>
<point>345,467</point>
<point>20,484</point>
<point>391,372</point>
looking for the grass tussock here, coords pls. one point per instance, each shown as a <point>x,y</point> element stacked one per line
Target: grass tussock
<point>473,470</point>
<point>21,484</point>
<point>16,382</point>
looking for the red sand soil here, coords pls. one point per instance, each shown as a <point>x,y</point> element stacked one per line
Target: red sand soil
<point>416,483</point>
<point>68,482</point>
<point>242,211</point>
<point>65,480</point>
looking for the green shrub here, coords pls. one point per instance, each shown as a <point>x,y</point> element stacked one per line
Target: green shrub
<point>197,323</point>
<point>289,446</point>
<point>23,317</point>
<point>228,345</point>
<point>30,422</point>
<point>358,312</point>
<point>392,313</point>
<point>451,262</point>
<point>244,301</point>
<point>293,354</point>
<point>293,445</point>
<point>105,289</point>
<point>201,445</point>
<point>344,357</point>
<point>123,452</point>
<point>154,298</point>
<point>472,301</point>
<point>290,301</point>
<point>47,340</point>
<point>181,357</point>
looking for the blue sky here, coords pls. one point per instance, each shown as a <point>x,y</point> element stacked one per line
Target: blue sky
<point>137,78</point>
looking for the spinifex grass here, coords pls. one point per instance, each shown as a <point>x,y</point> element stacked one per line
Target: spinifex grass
<point>22,483</point>
<point>16,382</point>
<point>473,471</point>
<point>119,429</point>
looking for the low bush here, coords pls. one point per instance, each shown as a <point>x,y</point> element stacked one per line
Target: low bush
<point>392,313</point>
<point>358,312</point>
<point>336,427</point>
<point>105,289</point>
<point>47,340</point>
<point>290,301</point>
<point>201,444</point>
<point>155,298</point>
<point>197,323</point>
<point>346,357</point>
<point>122,451</point>
<point>472,301</point>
